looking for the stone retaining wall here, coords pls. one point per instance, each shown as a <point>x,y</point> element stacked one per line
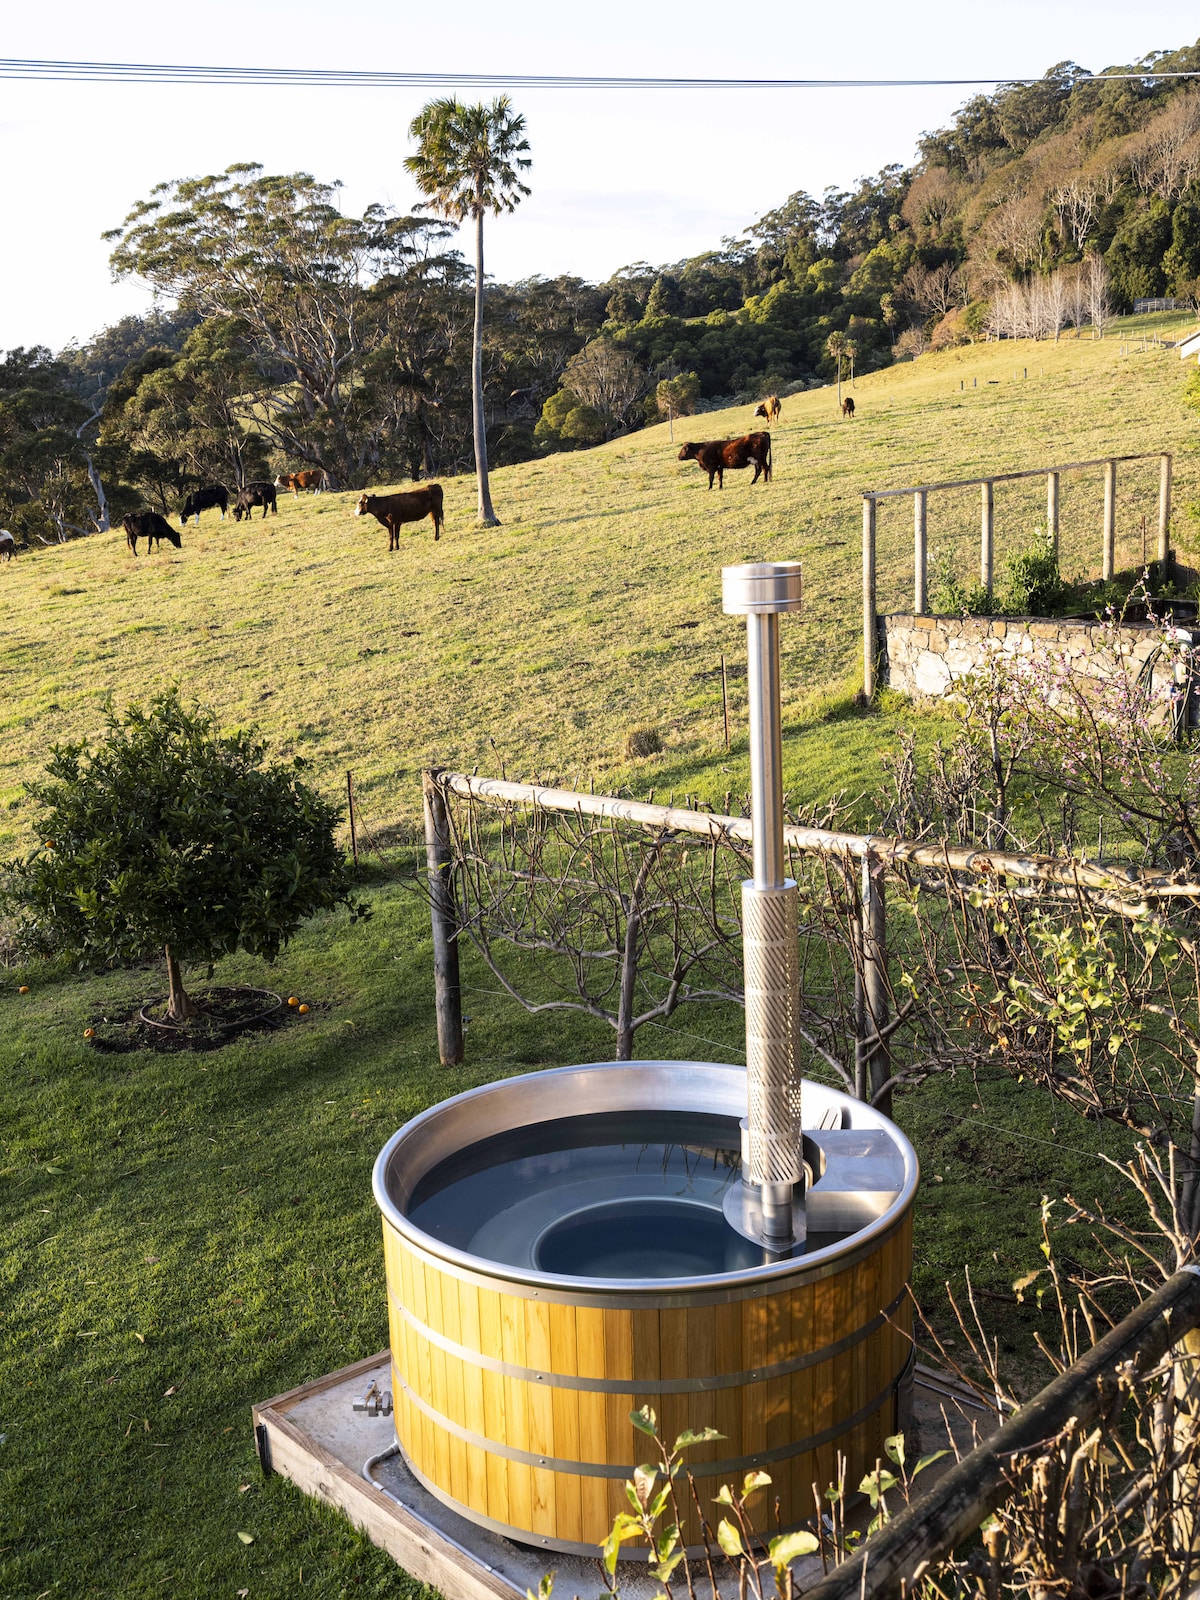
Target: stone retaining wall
<point>922,656</point>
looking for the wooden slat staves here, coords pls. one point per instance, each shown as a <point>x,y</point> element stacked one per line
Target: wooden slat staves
<point>570,1373</point>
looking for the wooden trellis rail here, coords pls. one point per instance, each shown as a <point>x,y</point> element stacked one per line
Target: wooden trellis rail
<point>920,497</point>
<point>1129,889</point>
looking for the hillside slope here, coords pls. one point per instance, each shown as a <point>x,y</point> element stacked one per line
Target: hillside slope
<point>595,608</point>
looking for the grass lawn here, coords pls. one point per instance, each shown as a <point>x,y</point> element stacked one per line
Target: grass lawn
<point>183,1235</point>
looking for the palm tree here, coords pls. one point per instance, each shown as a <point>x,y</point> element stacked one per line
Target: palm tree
<point>467,162</point>
<point>850,350</point>
<point>836,346</point>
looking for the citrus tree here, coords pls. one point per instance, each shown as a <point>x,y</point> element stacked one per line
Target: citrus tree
<point>172,839</point>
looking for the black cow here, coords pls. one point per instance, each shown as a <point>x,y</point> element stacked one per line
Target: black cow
<point>255,494</point>
<point>216,494</point>
<point>721,455</point>
<point>150,526</point>
<point>848,408</point>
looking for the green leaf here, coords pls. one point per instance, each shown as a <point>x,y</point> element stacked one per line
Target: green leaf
<point>787,1548</point>
<point>730,1540</point>
<point>688,1438</point>
<point>724,1496</point>
<point>662,1572</point>
<point>544,1588</point>
<point>645,1421</point>
<point>893,1447</point>
<point>753,1481</point>
<point>246,1538</point>
<point>927,1461</point>
<point>666,1541</point>
<point>876,1484</point>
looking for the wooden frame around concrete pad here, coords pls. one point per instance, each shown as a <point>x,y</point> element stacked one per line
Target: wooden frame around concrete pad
<point>417,1546</point>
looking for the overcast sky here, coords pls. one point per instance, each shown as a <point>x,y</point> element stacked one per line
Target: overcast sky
<point>618,175</point>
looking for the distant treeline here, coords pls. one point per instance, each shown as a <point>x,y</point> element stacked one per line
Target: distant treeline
<point>304,337</point>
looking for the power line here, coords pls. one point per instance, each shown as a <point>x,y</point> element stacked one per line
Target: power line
<point>333,77</point>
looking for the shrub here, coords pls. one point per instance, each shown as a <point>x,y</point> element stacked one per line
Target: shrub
<point>1032,584</point>
<point>171,838</point>
<point>640,742</point>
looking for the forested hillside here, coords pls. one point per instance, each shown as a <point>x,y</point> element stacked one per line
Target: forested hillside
<point>300,336</point>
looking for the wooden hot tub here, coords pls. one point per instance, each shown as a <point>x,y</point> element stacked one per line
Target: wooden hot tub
<point>519,1222</point>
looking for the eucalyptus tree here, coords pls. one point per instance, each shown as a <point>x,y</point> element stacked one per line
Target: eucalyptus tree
<point>276,254</point>
<point>467,164</point>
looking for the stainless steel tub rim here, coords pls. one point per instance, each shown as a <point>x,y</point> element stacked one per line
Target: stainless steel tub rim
<point>717,1088</point>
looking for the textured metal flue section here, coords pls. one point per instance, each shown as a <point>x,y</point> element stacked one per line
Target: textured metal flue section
<point>771,953</point>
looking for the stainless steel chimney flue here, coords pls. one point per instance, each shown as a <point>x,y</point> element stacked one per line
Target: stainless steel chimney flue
<point>760,592</point>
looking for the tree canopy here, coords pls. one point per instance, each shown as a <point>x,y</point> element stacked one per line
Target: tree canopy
<point>171,837</point>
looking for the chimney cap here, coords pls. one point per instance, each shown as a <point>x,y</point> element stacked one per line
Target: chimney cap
<point>760,587</point>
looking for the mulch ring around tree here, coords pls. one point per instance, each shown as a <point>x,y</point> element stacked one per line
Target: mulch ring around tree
<point>226,1013</point>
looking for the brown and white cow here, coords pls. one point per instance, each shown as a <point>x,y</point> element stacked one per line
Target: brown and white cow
<point>311,478</point>
<point>8,545</point>
<point>394,510</point>
<point>722,455</point>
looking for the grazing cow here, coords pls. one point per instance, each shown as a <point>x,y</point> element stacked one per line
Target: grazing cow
<point>216,494</point>
<point>848,408</point>
<point>255,494</point>
<point>723,455</point>
<point>8,545</point>
<point>770,409</point>
<point>150,526</point>
<point>295,481</point>
<point>392,510</point>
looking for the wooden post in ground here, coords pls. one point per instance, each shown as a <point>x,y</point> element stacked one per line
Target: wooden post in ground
<point>446,983</point>
<point>1164,517</point>
<point>873,1063</point>
<point>870,632</point>
<point>1109,562</point>
<point>987,535</point>
<point>353,830</point>
<point>920,554</point>
<point>1052,506</point>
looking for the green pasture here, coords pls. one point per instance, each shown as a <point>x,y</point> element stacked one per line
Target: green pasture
<point>595,608</point>
<point>185,1234</point>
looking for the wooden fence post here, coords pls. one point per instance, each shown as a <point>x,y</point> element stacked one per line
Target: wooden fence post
<point>872,1066</point>
<point>1052,506</point>
<point>1164,517</point>
<point>446,984</point>
<point>987,535</point>
<point>920,555</point>
<point>870,629</point>
<point>1109,564</point>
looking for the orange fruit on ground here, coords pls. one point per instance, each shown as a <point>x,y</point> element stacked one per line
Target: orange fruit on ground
<point>303,1011</point>
<point>89,1033</point>
<point>49,844</point>
<point>292,1000</point>
<point>24,989</point>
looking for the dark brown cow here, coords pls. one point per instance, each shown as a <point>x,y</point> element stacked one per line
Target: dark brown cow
<point>150,526</point>
<point>722,455</point>
<point>8,545</point>
<point>255,494</point>
<point>848,408</point>
<point>770,409</point>
<point>313,479</point>
<point>393,510</point>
